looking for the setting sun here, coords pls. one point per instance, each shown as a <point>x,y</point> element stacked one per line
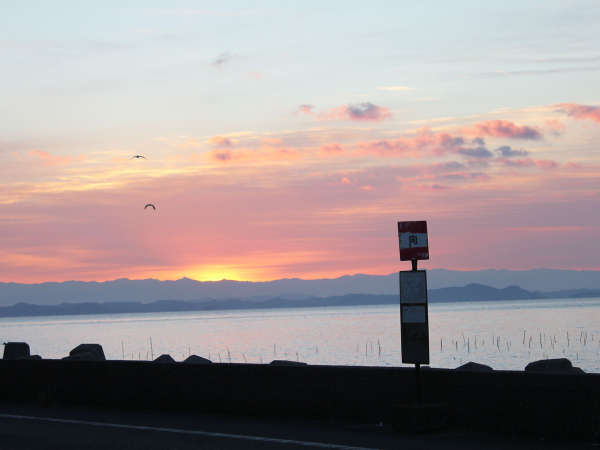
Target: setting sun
<point>219,272</point>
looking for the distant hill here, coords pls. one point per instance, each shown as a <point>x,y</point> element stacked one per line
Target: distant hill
<point>150,290</point>
<point>481,292</point>
<point>472,291</point>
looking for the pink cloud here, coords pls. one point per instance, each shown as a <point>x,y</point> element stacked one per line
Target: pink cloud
<point>366,111</point>
<point>221,142</point>
<point>555,127</point>
<point>581,112</point>
<point>331,149</point>
<point>306,109</point>
<point>528,162</point>
<point>256,75</point>
<point>546,164</point>
<point>222,155</point>
<point>367,187</point>
<point>424,142</point>
<point>51,160</point>
<point>503,129</point>
<point>261,155</point>
<point>427,187</point>
<point>573,165</point>
<point>345,180</point>
<point>272,141</point>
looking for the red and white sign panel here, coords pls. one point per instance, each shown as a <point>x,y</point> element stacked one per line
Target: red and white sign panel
<point>413,240</point>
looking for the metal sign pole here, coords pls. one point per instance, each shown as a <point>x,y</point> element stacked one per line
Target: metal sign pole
<point>419,390</point>
<point>414,323</point>
<point>415,415</point>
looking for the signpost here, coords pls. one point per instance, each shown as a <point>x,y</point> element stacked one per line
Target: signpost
<point>414,323</point>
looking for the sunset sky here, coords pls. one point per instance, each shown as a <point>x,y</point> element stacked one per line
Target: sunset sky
<point>287,139</point>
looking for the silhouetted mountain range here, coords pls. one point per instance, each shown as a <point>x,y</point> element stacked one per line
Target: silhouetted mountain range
<point>151,290</point>
<point>470,292</point>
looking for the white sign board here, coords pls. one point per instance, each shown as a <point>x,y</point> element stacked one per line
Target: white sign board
<point>413,286</point>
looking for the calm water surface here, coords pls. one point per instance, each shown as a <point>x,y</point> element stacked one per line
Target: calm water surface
<point>504,334</point>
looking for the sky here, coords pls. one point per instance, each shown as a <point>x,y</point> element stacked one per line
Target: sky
<point>286,139</point>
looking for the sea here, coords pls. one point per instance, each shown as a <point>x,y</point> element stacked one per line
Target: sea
<point>502,334</point>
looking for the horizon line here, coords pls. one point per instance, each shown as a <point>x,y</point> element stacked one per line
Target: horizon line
<point>290,278</point>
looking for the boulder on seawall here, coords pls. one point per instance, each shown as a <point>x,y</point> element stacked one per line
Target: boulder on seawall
<point>474,367</point>
<point>16,350</point>
<point>283,362</point>
<point>559,365</point>
<point>195,359</point>
<point>86,352</point>
<point>164,359</point>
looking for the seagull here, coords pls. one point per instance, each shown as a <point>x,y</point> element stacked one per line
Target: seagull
<point>138,157</point>
<point>150,204</point>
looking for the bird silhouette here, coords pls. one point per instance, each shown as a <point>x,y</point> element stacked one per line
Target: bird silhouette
<point>138,157</point>
<point>150,204</point>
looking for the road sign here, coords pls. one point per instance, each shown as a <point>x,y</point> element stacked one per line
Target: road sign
<point>413,240</point>
<point>413,286</point>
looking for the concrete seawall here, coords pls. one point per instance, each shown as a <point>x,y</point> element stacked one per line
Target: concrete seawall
<point>565,405</point>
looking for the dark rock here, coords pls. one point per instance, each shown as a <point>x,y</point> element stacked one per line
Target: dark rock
<point>87,352</point>
<point>164,359</point>
<point>475,367</point>
<point>559,365</point>
<point>16,350</point>
<point>283,362</point>
<point>195,359</point>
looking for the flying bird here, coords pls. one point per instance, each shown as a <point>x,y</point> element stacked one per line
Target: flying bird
<point>138,157</point>
<point>151,205</point>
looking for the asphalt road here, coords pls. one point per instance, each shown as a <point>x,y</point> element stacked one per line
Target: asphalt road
<point>32,427</point>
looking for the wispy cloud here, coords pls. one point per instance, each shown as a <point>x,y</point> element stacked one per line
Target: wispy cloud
<point>48,159</point>
<point>533,72</point>
<point>476,152</point>
<point>222,59</point>
<point>221,142</point>
<point>395,88</point>
<point>306,109</point>
<point>331,149</point>
<point>258,156</point>
<point>366,111</point>
<point>503,129</point>
<point>423,143</point>
<point>581,112</point>
<point>507,151</point>
<point>555,127</point>
<point>528,162</point>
